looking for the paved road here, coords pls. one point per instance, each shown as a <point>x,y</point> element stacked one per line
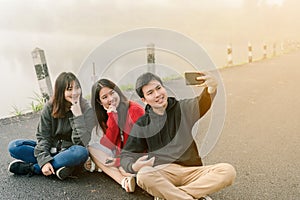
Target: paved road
<point>260,138</point>
<point>261,132</point>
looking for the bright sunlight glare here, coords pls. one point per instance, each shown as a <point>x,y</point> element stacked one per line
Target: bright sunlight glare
<point>274,2</point>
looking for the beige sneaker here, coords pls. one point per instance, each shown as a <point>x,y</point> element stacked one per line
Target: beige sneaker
<point>128,184</point>
<point>90,166</point>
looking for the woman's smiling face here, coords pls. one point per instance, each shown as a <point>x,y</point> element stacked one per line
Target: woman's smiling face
<point>108,96</point>
<point>73,92</point>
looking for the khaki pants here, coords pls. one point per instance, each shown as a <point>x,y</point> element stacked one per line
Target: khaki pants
<point>173,181</point>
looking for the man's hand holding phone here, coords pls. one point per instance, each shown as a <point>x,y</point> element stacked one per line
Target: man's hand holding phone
<point>201,79</point>
<point>193,78</point>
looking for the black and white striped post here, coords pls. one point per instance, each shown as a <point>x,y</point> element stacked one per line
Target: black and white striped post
<point>42,73</point>
<point>274,49</point>
<point>282,47</point>
<point>229,55</point>
<point>265,51</point>
<point>94,77</point>
<point>151,58</point>
<point>250,59</point>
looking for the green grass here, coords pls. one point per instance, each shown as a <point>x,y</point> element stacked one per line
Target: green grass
<point>171,77</point>
<point>35,106</point>
<point>38,102</point>
<point>16,111</point>
<point>127,87</point>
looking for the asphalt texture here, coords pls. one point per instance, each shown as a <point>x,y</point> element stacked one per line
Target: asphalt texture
<point>260,138</point>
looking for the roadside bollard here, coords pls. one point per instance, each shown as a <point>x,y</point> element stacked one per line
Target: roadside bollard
<point>282,47</point>
<point>151,58</point>
<point>249,52</point>
<point>265,51</point>
<point>94,77</point>
<point>274,49</point>
<point>42,73</point>
<point>229,55</point>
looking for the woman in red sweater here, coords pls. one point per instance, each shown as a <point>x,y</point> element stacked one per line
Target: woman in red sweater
<point>116,116</point>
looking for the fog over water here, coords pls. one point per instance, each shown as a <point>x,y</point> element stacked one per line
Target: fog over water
<point>68,31</point>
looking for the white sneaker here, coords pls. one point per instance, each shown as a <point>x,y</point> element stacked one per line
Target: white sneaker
<point>158,198</point>
<point>90,166</point>
<point>128,184</point>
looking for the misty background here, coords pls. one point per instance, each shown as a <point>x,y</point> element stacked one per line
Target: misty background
<point>68,31</point>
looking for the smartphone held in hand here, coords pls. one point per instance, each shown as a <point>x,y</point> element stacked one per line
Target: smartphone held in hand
<point>108,161</point>
<point>191,78</point>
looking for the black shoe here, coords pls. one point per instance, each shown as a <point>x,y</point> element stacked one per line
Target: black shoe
<point>19,167</point>
<point>64,172</point>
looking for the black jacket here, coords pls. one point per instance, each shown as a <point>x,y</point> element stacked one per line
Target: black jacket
<point>167,137</point>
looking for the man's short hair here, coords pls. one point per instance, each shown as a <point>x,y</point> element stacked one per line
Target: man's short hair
<point>143,80</point>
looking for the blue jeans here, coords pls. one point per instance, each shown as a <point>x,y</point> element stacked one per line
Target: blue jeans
<point>23,149</point>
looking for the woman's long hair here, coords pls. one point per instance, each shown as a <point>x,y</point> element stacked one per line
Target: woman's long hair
<point>101,113</point>
<point>60,105</point>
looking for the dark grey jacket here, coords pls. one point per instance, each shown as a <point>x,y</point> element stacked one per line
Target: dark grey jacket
<point>167,137</point>
<point>70,130</point>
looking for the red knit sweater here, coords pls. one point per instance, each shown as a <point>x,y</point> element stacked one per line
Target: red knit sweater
<point>112,138</point>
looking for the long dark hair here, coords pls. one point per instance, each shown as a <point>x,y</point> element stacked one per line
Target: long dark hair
<point>99,109</point>
<point>60,105</point>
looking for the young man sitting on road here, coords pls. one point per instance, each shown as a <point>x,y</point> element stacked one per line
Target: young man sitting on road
<point>172,168</point>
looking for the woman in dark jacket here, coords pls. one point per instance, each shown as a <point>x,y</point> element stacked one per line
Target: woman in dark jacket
<point>62,135</point>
